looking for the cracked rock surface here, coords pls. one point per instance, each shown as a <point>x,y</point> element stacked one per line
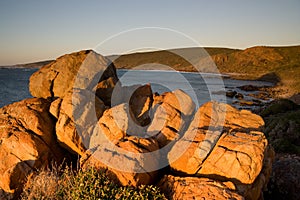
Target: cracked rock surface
<point>196,188</point>
<point>77,115</point>
<point>223,143</point>
<point>27,142</point>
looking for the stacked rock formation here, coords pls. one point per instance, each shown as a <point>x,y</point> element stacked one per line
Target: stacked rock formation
<point>80,108</point>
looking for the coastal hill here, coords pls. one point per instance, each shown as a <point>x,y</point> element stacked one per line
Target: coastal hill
<point>280,65</point>
<point>38,64</point>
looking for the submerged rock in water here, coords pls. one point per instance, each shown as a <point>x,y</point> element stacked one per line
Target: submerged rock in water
<point>231,93</point>
<point>249,88</point>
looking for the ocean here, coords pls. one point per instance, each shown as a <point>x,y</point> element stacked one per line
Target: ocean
<point>201,87</point>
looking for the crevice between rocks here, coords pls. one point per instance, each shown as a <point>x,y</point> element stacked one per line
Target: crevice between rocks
<point>52,85</point>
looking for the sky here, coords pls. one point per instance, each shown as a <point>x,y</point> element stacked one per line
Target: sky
<point>36,30</point>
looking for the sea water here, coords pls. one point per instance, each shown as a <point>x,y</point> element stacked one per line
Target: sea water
<point>202,87</point>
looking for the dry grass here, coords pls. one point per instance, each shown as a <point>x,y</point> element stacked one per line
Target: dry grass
<point>43,185</point>
<point>67,184</point>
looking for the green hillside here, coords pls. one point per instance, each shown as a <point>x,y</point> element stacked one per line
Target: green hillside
<point>280,65</point>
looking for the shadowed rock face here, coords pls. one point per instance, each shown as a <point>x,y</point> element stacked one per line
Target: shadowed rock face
<point>77,115</point>
<point>27,142</point>
<point>82,70</point>
<point>285,180</point>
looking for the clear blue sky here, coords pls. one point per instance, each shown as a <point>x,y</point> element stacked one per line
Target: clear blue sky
<point>40,30</point>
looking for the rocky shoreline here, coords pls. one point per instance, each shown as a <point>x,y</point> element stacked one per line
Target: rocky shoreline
<point>81,113</point>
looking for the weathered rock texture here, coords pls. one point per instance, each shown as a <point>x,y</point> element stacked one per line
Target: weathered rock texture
<point>82,70</point>
<point>223,143</point>
<point>27,142</point>
<point>197,188</point>
<point>77,114</point>
<point>126,162</point>
<point>138,97</point>
<point>171,114</point>
<point>119,146</point>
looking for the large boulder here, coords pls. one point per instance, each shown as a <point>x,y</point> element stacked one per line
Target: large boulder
<point>196,188</point>
<point>77,114</point>
<point>83,69</point>
<point>172,112</point>
<point>125,146</point>
<point>223,143</point>
<point>131,161</point>
<point>120,147</point>
<point>27,143</point>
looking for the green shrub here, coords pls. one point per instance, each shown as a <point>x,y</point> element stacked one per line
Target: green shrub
<point>89,184</point>
<point>279,106</point>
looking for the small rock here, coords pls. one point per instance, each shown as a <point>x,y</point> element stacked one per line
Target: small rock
<point>261,95</point>
<point>249,88</point>
<point>231,93</point>
<point>247,103</point>
<point>239,96</point>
